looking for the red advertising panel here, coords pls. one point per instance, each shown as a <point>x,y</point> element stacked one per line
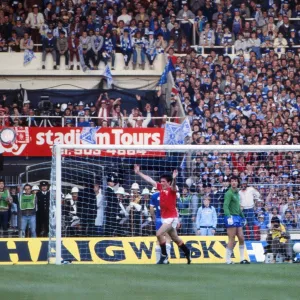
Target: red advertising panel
<point>38,141</point>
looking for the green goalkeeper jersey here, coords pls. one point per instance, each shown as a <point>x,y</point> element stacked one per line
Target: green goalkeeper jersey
<point>232,203</point>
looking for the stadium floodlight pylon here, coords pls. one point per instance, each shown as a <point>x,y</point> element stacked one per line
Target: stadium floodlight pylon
<point>157,158</point>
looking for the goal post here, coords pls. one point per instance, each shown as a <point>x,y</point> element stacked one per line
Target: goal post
<point>198,165</point>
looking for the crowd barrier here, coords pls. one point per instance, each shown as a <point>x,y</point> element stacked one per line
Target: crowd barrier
<point>45,121</point>
<point>126,250</point>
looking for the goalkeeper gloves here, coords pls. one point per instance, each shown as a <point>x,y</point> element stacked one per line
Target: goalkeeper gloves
<point>244,222</point>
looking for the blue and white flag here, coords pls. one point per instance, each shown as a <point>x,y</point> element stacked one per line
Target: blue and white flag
<point>183,164</point>
<point>88,135</point>
<point>28,56</point>
<point>107,74</point>
<point>81,59</point>
<point>175,134</point>
<point>164,76</point>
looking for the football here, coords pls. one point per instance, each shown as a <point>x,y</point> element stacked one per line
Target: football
<point>296,247</point>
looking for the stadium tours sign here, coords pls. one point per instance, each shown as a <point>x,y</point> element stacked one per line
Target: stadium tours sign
<point>126,250</point>
<point>38,141</point>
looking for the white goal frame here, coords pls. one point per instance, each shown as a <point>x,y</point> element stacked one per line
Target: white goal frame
<point>58,150</point>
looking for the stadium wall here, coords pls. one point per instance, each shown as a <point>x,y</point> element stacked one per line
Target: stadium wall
<point>13,73</point>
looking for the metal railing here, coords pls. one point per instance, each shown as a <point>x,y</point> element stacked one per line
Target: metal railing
<point>45,121</point>
<point>232,47</point>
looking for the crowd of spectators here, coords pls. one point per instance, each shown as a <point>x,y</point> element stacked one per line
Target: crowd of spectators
<point>244,98</point>
<point>95,30</point>
<point>106,111</point>
<point>251,97</point>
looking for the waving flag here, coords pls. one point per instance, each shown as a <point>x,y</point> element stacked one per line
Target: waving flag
<point>164,76</point>
<point>175,134</point>
<point>175,90</point>
<point>88,135</point>
<point>108,75</point>
<point>81,59</point>
<point>28,56</point>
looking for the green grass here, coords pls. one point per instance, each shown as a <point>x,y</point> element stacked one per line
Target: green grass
<point>209,282</point>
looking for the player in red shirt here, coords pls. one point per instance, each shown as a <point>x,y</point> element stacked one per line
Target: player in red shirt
<point>169,214</point>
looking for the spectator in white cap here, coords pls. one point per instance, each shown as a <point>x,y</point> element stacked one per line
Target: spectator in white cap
<point>35,189</point>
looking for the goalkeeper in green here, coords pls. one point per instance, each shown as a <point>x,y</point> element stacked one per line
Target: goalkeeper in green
<point>234,220</point>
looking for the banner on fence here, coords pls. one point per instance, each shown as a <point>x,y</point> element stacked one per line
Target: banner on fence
<point>125,250</point>
<point>38,141</point>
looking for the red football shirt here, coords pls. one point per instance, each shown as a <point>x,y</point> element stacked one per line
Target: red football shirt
<point>167,202</point>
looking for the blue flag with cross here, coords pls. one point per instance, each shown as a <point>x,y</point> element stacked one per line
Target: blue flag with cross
<point>164,76</point>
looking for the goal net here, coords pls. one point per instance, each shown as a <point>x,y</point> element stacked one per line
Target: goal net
<point>95,192</point>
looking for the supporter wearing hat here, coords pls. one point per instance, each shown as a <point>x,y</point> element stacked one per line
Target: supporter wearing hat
<point>93,111</point>
<point>261,222</point>
<point>49,47</point>
<point>43,203</point>
<point>35,20</point>
<point>294,39</point>
<point>58,114</point>
<point>19,28</point>
<point>112,205</point>
<point>35,189</point>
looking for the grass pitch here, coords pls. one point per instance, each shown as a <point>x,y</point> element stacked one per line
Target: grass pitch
<point>209,282</point>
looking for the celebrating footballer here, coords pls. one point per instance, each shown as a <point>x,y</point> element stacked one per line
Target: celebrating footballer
<point>169,214</point>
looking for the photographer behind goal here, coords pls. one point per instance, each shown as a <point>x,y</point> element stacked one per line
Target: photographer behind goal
<point>278,240</point>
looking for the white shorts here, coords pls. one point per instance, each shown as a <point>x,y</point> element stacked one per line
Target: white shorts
<point>170,221</point>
